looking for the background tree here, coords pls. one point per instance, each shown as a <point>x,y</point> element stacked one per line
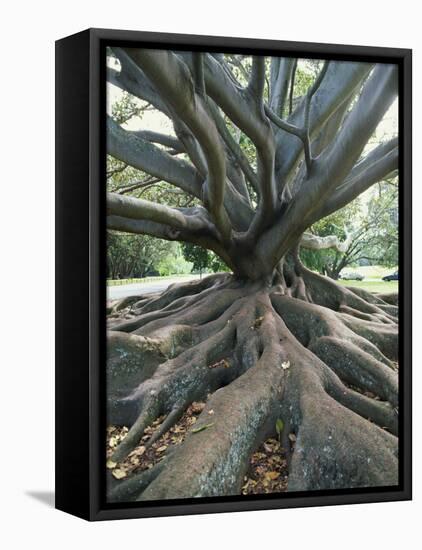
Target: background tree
<point>136,256</point>
<point>339,224</point>
<point>255,163</point>
<point>369,235</point>
<point>202,259</point>
<point>131,255</point>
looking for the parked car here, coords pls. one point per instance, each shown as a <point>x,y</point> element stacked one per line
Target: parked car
<point>352,276</point>
<point>393,277</point>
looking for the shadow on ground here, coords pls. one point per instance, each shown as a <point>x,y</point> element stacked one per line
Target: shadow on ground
<point>45,497</point>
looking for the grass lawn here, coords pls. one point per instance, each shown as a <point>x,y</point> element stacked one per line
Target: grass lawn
<point>373,286</point>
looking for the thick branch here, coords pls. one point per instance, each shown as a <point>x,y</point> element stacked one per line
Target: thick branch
<point>241,106</point>
<point>234,147</point>
<point>334,164</point>
<point>360,180</point>
<point>171,76</point>
<point>131,79</point>
<point>163,139</point>
<point>142,227</point>
<point>129,207</point>
<point>198,72</point>
<point>314,242</point>
<point>306,127</point>
<point>163,231</point>
<point>281,72</point>
<point>376,97</point>
<point>292,86</point>
<point>338,85</point>
<point>257,81</point>
<point>141,154</point>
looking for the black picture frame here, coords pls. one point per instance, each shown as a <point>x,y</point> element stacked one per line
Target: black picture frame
<point>80,273</point>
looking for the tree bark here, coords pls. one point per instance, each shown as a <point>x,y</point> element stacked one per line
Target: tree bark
<point>271,340</point>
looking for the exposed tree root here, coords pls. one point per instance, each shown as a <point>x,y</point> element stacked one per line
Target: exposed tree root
<point>317,356</point>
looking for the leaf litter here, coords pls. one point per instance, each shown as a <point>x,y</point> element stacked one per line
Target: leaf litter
<point>142,458</point>
<point>267,471</point>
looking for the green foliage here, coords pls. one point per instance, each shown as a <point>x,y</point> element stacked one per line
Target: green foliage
<point>306,72</point>
<point>324,261</point>
<point>373,222</point>
<point>173,263</point>
<point>139,255</point>
<point>198,256</point>
<point>381,229</point>
<point>135,255</point>
<point>279,426</point>
<point>202,259</point>
<point>125,109</point>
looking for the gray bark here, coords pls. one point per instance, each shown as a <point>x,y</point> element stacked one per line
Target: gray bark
<point>307,165</point>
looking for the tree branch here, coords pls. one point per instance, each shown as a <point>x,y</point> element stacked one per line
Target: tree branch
<point>162,231</point>
<point>292,86</point>
<point>142,184</point>
<point>314,242</point>
<point>376,97</point>
<point>155,137</point>
<point>131,79</point>
<point>361,180</point>
<point>143,227</point>
<point>198,72</point>
<point>128,207</point>
<point>241,107</point>
<point>333,165</point>
<point>170,75</point>
<point>256,83</point>
<point>306,129</point>
<point>141,154</point>
<point>337,87</point>
<point>234,147</point>
<point>301,132</point>
<point>280,83</point>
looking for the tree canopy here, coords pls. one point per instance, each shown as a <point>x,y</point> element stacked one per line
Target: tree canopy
<point>254,154</point>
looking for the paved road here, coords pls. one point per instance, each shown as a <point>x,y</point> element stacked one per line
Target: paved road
<point>121,291</point>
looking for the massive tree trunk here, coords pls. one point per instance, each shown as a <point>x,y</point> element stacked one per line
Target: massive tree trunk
<point>272,340</point>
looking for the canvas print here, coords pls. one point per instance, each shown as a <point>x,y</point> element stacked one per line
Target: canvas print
<point>252,275</point>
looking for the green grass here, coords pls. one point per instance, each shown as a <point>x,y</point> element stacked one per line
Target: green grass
<point>373,286</point>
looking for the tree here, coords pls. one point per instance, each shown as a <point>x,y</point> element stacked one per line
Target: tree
<point>369,235</point>
<point>202,258</point>
<point>198,256</point>
<point>380,239</point>
<point>338,224</point>
<point>135,255</point>
<point>296,346</point>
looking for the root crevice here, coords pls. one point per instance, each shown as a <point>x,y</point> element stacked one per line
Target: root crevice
<point>322,365</point>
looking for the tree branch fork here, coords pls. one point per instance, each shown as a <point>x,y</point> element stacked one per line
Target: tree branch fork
<point>200,94</point>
